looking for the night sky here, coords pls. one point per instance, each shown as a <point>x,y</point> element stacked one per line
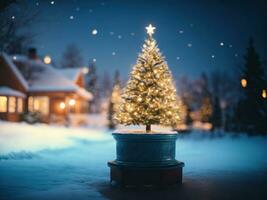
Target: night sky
<point>194,36</point>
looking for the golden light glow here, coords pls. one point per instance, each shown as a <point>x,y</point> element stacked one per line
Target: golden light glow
<point>150,30</point>
<point>85,70</point>
<point>72,102</point>
<point>264,94</point>
<point>244,83</point>
<point>62,105</point>
<point>47,60</point>
<point>19,105</point>
<point>3,104</point>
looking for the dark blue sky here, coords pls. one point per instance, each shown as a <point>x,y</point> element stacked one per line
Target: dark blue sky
<point>189,33</point>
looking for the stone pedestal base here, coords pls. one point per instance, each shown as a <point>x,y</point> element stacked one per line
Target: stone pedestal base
<point>145,176</point>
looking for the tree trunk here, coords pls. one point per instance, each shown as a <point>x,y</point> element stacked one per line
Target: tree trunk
<point>148,128</point>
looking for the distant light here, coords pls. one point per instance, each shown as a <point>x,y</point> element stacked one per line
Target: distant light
<point>119,36</point>
<point>181,31</point>
<point>113,53</point>
<point>85,70</point>
<point>94,60</point>
<point>13,17</point>
<point>264,94</point>
<point>94,32</point>
<point>213,56</point>
<point>244,82</point>
<point>52,2</point>
<point>47,60</point>
<point>189,45</point>
<point>71,17</point>
<point>221,44</point>
<point>62,105</point>
<point>72,102</point>
<point>14,57</point>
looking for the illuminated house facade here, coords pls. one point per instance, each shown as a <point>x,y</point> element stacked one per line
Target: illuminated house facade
<point>29,85</point>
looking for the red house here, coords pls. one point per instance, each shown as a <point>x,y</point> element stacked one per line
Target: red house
<point>27,84</point>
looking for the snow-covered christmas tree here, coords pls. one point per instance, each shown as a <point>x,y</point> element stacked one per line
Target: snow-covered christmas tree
<point>149,97</point>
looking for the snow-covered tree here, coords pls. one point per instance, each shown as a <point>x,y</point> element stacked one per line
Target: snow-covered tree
<point>114,101</point>
<point>150,95</point>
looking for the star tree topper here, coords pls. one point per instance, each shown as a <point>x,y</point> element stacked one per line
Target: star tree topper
<point>150,30</point>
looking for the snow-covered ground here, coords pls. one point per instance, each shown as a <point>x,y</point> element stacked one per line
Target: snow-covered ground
<point>54,162</point>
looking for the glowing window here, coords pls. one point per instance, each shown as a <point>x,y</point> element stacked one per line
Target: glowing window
<point>11,104</point>
<point>3,104</point>
<point>39,103</point>
<point>20,105</point>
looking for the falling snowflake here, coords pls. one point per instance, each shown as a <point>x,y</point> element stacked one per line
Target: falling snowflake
<point>113,53</point>
<point>52,2</point>
<point>94,32</point>
<point>221,44</point>
<point>94,60</point>
<point>213,56</point>
<point>181,31</point>
<point>119,36</point>
<point>189,44</point>
<point>71,17</point>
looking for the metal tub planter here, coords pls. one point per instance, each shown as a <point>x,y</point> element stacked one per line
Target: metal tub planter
<point>145,160</point>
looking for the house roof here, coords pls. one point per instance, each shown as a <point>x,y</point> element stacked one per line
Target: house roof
<point>42,77</point>
<point>84,94</point>
<point>7,91</point>
<point>71,73</point>
<point>14,69</point>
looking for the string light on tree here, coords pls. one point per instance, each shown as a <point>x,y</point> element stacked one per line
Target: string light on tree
<point>264,94</point>
<point>150,95</point>
<point>244,82</point>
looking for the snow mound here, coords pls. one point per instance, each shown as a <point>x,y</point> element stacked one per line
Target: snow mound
<point>17,137</point>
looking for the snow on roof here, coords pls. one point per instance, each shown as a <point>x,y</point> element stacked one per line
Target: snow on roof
<point>84,94</point>
<point>42,77</point>
<point>72,74</point>
<point>15,70</point>
<point>7,91</point>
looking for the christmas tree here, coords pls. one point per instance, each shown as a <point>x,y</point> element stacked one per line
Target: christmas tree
<point>150,95</point>
<point>114,101</point>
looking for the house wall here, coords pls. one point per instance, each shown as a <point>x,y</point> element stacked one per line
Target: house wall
<point>80,81</point>
<point>8,78</point>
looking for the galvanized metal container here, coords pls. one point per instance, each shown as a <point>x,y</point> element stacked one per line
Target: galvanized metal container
<point>135,149</point>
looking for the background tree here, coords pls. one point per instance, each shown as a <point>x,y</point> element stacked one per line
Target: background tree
<point>72,57</point>
<point>150,95</point>
<point>15,37</point>
<point>205,99</point>
<point>114,101</point>
<point>251,109</point>
<point>91,80</point>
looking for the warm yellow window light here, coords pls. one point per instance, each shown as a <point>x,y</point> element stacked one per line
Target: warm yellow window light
<point>3,104</point>
<point>12,104</point>
<point>72,102</point>
<point>62,105</point>
<point>47,60</point>
<point>244,82</point>
<point>264,94</point>
<point>39,103</point>
<point>19,105</point>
